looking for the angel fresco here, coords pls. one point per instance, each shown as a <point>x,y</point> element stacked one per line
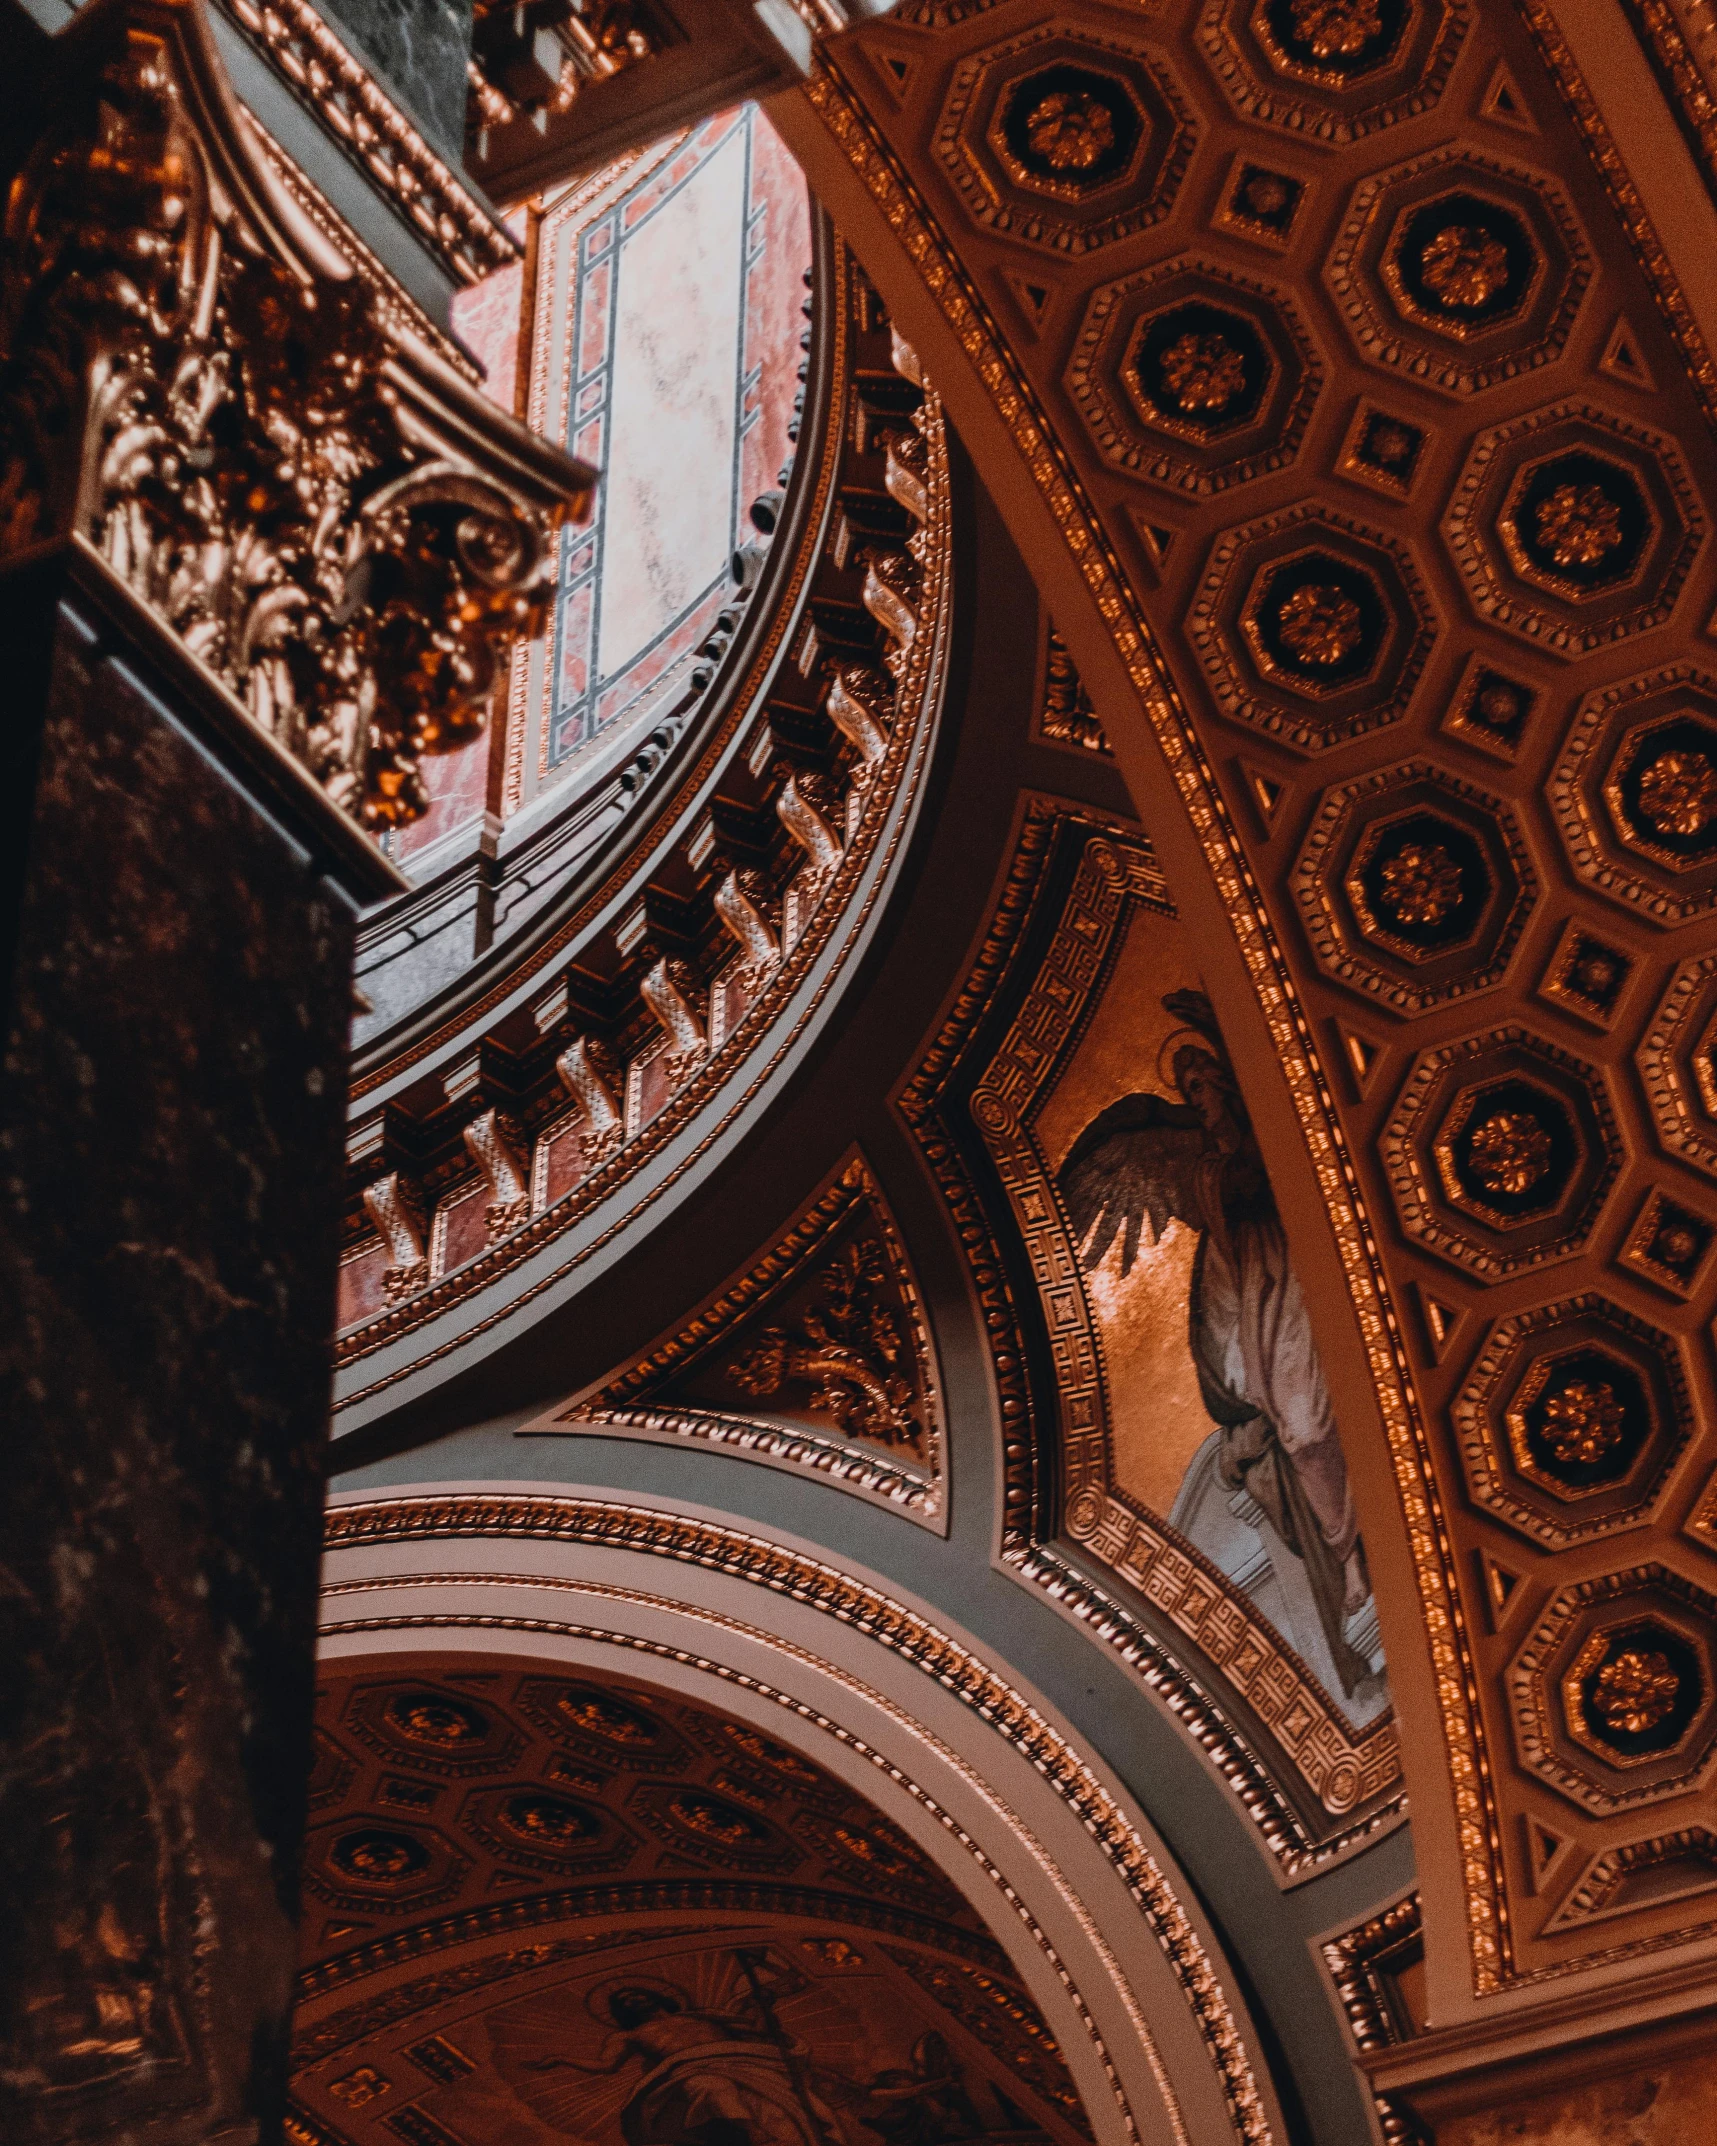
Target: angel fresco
<point>706,2078</point>
<point>1146,1161</point>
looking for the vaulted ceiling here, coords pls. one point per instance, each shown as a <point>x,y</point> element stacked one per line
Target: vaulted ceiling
<point>1334,375</point>
<point>506,1875</point>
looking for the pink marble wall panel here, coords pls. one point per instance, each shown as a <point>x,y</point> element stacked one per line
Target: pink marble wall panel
<point>667,354</point>
<point>362,1293</point>
<point>461,1231</point>
<point>457,784</point>
<point>778,249</point>
<point>668,509</point>
<point>485,318</point>
<point>667,658</point>
<point>559,1163</point>
<point>649,1088</point>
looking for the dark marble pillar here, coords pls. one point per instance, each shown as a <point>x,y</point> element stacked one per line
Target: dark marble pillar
<point>177,939</point>
<point>420,49</point>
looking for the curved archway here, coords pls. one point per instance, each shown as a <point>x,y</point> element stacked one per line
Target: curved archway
<point>1036,1844</point>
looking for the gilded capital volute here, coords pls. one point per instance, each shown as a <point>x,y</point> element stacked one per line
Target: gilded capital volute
<point>249,426</point>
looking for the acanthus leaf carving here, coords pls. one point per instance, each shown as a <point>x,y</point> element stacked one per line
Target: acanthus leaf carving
<point>756,937</point>
<point>799,811</point>
<point>859,704</point>
<point>847,1346</point>
<point>667,990</point>
<point>200,387</point>
<point>827,1332</point>
<point>589,1080</point>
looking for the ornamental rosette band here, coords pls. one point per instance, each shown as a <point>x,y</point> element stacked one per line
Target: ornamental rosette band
<point>248,429</point>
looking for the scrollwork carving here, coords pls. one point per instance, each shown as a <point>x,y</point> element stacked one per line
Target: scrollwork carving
<point>848,1346</point>
<point>198,385</point>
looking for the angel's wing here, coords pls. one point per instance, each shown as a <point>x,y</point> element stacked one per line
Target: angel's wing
<point>1195,1009</point>
<point>1134,1161</point>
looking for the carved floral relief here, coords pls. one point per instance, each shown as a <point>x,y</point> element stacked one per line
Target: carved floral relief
<point>251,434</point>
<point>817,1356</point>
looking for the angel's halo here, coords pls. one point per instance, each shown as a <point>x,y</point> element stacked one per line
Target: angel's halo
<point>1166,1050</point>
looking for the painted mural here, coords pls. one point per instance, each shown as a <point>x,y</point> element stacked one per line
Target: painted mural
<point>550,1909</point>
<point>770,2039</point>
<point>664,348</point>
<point>1219,1414</point>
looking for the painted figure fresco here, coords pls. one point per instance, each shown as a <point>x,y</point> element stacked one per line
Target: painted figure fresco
<point>1148,1160</point>
<point>736,2073</point>
<point>707,2078</point>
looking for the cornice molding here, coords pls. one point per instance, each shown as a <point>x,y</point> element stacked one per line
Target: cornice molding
<point>830,903</point>
<point>341,92</point>
<point>598,1524</point>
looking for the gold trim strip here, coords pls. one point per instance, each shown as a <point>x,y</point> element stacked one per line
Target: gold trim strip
<point>601,1524</point>
<point>837,103</point>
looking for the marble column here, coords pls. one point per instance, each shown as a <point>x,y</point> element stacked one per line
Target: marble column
<point>421,49</point>
<point>171,1132</point>
<point>262,545</point>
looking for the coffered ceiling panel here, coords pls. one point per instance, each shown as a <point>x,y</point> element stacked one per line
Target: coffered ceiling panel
<point>546,1905</point>
<point>1356,426</point>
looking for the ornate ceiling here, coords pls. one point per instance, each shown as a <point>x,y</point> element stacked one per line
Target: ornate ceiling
<point>514,1880</point>
<point>526,1894</point>
<point>1349,409</point>
<point>1352,834</point>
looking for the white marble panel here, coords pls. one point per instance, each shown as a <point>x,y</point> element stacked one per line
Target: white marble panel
<point>668,516</point>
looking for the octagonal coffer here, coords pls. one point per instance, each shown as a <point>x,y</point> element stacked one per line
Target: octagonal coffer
<point>1678,1064</point>
<point>1332,70</point>
<point>1500,1152</point>
<point>1414,886</point>
<point>433,1730</point>
<point>1311,627</point>
<point>1573,528</point>
<point>1193,376</point>
<point>382,1869</point>
<point>1614,1699</point>
<point>1572,1420</point>
<point>1458,270</point>
<point>1635,793</point>
<point>1063,139</point>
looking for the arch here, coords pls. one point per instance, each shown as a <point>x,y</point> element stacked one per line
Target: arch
<point>1031,1830</point>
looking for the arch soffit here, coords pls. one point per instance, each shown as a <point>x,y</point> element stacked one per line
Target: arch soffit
<point>1046,1846</point>
<point>881,143</point>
